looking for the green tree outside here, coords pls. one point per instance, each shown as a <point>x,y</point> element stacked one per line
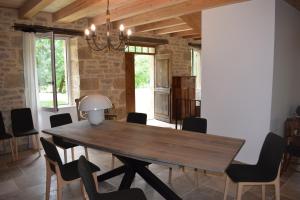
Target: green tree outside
<point>142,71</point>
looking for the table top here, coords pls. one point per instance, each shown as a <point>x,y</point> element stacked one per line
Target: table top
<point>154,144</point>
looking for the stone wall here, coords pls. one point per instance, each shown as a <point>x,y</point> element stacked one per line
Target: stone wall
<point>11,60</point>
<point>102,72</point>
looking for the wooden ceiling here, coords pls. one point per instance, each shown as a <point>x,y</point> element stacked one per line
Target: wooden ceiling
<point>178,18</point>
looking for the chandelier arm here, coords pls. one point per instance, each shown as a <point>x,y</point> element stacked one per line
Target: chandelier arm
<point>117,46</point>
<point>98,47</point>
<point>95,48</point>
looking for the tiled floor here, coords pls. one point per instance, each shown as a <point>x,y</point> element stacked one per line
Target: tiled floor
<point>25,179</point>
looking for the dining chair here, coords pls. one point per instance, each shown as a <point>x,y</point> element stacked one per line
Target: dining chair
<point>265,172</point>
<point>65,173</point>
<point>195,124</point>
<point>132,117</point>
<point>6,136</point>
<point>138,118</point>
<point>60,120</point>
<point>22,125</point>
<point>91,186</point>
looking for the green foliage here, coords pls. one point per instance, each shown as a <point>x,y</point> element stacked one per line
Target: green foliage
<point>43,61</point>
<point>142,71</point>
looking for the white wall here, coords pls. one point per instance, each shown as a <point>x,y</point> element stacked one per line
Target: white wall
<point>286,80</point>
<point>237,62</point>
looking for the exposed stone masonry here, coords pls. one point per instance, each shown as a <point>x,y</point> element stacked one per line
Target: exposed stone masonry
<point>102,72</point>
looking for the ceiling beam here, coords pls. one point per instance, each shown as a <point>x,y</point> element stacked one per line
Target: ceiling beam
<point>184,33</point>
<point>187,7</point>
<point>193,20</point>
<point>32,7</point>
<point>159,25</point>
<point>75,10</point>
<point>192,36</point>
<point>133,8</point>
<point>173,29</point>
<point>83,8</point>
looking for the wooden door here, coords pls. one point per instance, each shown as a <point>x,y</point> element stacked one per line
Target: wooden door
<point>130,82</point>
<point>162,88</point>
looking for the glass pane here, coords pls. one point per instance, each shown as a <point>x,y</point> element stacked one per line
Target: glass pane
<point>132,49</point>
<point>151,50</point>
<point>61,72</point>
<point>139,49</point>
<point>145,49</point>
<point>44,72</point>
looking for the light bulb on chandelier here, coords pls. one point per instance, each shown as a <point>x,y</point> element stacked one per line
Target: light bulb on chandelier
<point>94,44</point>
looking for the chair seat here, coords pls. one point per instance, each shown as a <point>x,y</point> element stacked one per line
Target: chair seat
<point>132,194</point>
<point>247,173</point>
<point>293,150</point>
<point>26,133</point>
<point>63,143</point>
<point>5,136</point>
<point>69,170</point>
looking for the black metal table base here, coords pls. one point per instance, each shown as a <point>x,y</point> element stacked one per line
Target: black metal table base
<point>130,168</point>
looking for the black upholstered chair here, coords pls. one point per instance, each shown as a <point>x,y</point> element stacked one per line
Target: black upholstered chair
<point>138,118</point>
<point>65,173</point>
<point>265,172</point>
<point>195,124</point>
<point>6,136</point>
<point>60,120</point>
<point>22,125</point>
<point>91,186</point>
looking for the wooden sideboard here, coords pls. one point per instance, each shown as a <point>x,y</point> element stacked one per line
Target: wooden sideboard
<point>183,97</point>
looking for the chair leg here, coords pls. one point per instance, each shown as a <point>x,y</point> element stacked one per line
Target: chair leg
<point>38,144</point>
<point>12,149</point>
<point>277,189</point>
<point>183,169</point>
<point>59,190</point>
<point>73,154</point>
<point>170,175</point>
<point>48,183</point>
<point>239,191</point>
<point>86,153</point>
<point>263,192</point>
<point>112,161</point>
<point>16,146</point>
<point>83,191</point>
<point>96,181</point>
<point>65,156</point>
<point>196,177</point>
<point>226,188</point>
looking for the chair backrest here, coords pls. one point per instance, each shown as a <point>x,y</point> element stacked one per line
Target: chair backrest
<point>60,119</point>
<point>2,126</point>
<point>271,155</point>
<point>85,173</point>
<point>51,152</point>
<point>195,124</point>
<point>21,120</point>
<point>80,114</point>
<point>138,118</point>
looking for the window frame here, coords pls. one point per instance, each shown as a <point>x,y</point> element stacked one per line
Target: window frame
<point>56,107</point>
<point>127,49</point>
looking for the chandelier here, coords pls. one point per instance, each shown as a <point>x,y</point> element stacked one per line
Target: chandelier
<point>91,36</point>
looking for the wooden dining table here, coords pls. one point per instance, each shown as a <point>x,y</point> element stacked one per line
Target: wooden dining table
<point>138,145</point>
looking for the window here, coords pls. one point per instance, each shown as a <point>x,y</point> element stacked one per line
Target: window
<point>50,95</point>
<point>140,49</point>
<point>196,70</point>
